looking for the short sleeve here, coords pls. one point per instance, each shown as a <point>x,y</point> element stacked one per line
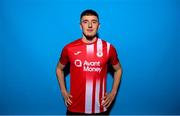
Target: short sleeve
<point>64,59</point>
<point>113,57</point>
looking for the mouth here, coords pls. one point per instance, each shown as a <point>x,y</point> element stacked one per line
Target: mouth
<point>90,30</point>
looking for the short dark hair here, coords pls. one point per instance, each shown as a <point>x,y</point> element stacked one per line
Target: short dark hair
<point>89,12</point>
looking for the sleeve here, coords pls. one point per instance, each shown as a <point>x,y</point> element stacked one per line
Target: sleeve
<point>113,57</point>
<point>64,59</point>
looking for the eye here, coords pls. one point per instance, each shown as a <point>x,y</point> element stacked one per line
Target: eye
<point>94,22</point>
<point>85,21</point>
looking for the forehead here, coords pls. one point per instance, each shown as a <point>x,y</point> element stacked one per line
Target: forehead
<point>89,17</point>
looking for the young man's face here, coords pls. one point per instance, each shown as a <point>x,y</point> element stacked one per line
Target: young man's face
<point>89,25</point>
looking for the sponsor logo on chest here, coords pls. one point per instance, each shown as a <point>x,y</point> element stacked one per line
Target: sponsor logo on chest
<point>92,66</point>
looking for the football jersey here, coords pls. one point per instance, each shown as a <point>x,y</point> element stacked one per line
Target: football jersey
<point>88,71</point>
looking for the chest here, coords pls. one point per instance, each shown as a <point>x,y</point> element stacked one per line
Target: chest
<point>89,55</point>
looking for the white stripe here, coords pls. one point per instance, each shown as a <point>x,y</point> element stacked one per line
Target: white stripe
<point>99,48</point>
<point>99,45</point>
<point>103,91</point>
<point>108,47</point>
<point>97,104</point>
<point>88,96</point>
<point>90,49</point>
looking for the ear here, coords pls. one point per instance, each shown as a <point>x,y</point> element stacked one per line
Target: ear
<point>80,26</point>
<point>99,26</point>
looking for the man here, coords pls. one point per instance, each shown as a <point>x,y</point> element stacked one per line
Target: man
<point>88,57</point>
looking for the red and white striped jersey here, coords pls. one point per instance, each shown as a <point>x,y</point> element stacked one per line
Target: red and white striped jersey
<point>88,71</point>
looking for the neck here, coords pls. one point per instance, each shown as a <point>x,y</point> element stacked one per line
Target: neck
<point>89,40</point>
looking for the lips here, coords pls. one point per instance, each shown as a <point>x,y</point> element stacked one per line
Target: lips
<point>90,30</point>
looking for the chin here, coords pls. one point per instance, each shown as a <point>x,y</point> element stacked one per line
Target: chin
<point>90,36</point>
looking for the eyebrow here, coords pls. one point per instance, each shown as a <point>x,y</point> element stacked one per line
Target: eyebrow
<point>95,20</point>
<point>88,20</point>
<point>84,20</point>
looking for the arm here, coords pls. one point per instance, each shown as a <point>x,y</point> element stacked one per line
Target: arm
<point>108,99</point>
<point>117,78</point>
<point>60,77</point>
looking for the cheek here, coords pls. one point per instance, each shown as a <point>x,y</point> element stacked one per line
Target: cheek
<point>83,27</point>
<point>96,26</point>
<point>96,29</point>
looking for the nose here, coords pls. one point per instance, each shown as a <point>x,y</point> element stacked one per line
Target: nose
<point>89,24</point>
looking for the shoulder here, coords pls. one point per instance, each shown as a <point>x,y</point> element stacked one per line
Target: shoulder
<point>73,43</point>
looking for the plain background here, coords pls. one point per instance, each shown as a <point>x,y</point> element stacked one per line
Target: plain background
<point>145,33</point>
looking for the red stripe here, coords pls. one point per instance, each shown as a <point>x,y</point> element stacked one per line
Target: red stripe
<point>93,96</point>
<point>100,94</point>
<point>104,87</point>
